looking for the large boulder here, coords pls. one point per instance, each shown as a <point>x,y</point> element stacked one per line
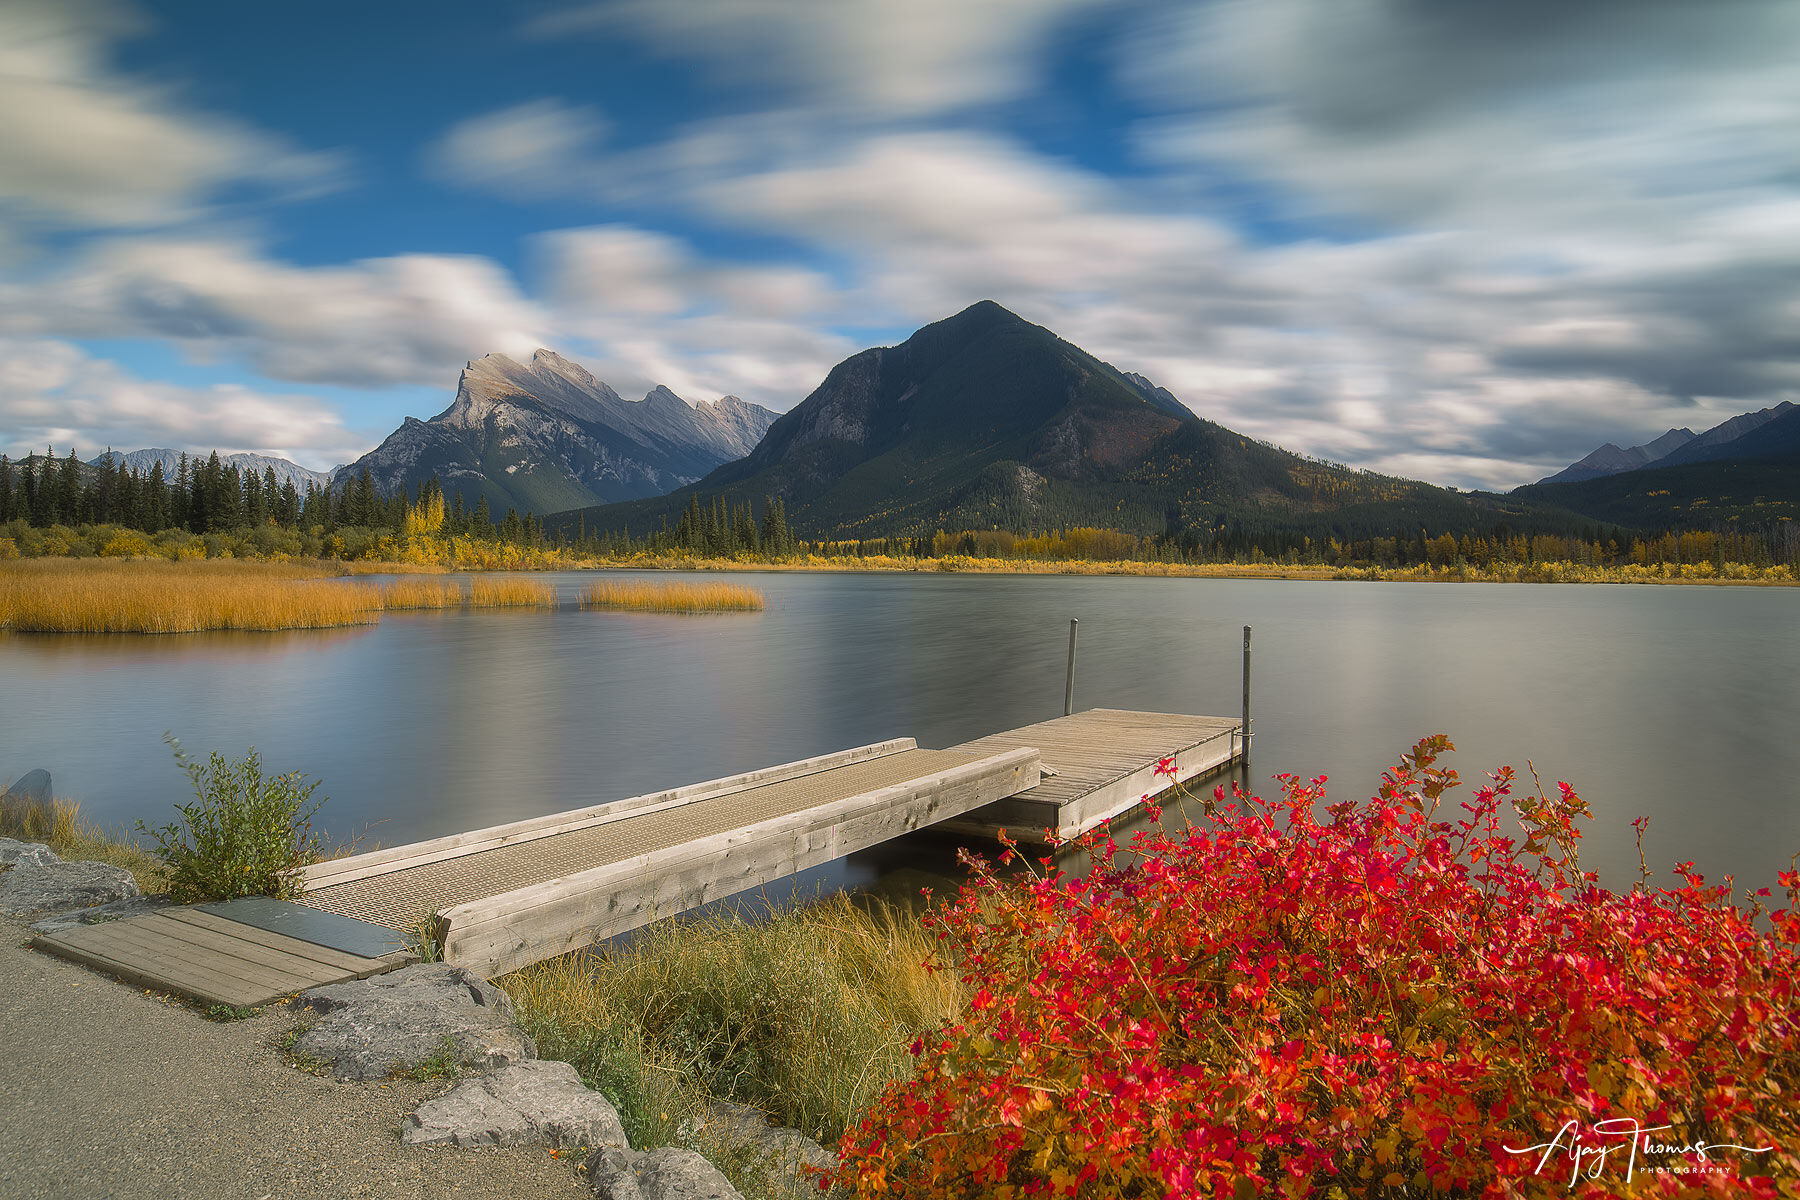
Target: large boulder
<point>527,1103</point>
<point>668,1173</point>
<point>31,887</point>
<point>393,1023</point>
<point>14,853</point>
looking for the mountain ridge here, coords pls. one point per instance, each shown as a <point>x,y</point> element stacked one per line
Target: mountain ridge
<point>547,434</point>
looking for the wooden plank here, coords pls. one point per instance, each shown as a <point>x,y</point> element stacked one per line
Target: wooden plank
<point>146,968</point>
<point>206,990</point>
<point>502,933</point>
<point>394,858</point>
<point>142,939</point>
<point>231,947</point>
<point>346,965</point>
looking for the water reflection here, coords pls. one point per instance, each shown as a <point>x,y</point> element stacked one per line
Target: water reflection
<point>1671,702</point>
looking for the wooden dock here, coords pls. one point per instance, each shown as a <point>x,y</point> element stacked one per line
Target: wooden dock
<point>1097,765</point>
<point>504,897</point>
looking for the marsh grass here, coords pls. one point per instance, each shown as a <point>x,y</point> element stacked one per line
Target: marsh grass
<point>413,592</point>
<point>58,825</point>
<point>636,595</point>
<point>512,592</point>
<point>152,596</point>
<point>806,1015</point>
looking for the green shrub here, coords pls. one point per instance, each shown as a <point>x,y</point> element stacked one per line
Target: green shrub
<point>241,832</point>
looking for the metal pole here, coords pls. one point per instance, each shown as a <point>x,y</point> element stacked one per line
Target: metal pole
<point>1069,687</point>
<point>1246,726</point>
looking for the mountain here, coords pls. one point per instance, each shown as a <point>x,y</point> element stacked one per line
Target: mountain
<point>1610,459</point>
<point>285,471</point>
<point>1742,437</point>
<point>983,420</point>
<point>1752,478</point>
<point>547,435</point>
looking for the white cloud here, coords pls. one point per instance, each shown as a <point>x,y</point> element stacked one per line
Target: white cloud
<point>541,147</point>
<point>662,314</point>
<point>85,146</point>
<point>894,57</point>
<point>52,393</point>
<point>407,319</point>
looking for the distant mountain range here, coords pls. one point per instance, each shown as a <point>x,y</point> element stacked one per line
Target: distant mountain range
<point>285,471</point>
<point>546,435</point>
<point>1745,470</point>
<point>1674,448</point>
<point>984,420</point>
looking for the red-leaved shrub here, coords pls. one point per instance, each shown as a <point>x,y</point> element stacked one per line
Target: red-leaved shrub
<point>1367,1001</point>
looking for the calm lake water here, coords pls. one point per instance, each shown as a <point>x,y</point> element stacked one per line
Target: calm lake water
<point>1680,703</point>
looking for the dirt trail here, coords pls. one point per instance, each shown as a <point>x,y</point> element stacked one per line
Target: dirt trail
<point>107,1093</point>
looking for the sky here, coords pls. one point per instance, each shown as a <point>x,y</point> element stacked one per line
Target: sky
<point>1455,240</point>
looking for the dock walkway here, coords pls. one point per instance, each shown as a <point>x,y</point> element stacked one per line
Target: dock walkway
<point>504,897</point>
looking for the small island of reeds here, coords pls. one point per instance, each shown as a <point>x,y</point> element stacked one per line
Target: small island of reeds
<point>636,595</point>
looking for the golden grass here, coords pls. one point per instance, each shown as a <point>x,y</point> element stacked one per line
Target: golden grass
<point>638,595</point>
<point>422,593</point>
<point>512,592</point>
<point>59,826</point>
<point>807,1014</point>
<point>114,596</point>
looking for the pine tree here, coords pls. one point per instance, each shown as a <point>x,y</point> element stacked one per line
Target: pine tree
<point>256,507</point>
<point>364,508</point>
<point>287,513</point>
<point>483,521</point>
<point>181,507</point>
<point>154,508</point>
<point>68,488</point>
<point>6,491</point>
<point>775,537</point>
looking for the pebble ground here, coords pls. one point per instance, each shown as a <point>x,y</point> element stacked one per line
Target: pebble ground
<point>110,1093</point>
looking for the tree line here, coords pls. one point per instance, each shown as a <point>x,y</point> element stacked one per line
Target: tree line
<point>211,496</point>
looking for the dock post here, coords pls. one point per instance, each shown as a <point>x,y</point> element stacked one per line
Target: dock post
<point>1246,725</point>
<point>1069,684</point>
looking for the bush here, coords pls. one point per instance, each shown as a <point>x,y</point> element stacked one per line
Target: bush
<point>241,832</point>
<point>1375,1002</point>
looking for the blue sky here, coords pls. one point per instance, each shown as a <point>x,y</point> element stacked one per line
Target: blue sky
<point>1458,241</point>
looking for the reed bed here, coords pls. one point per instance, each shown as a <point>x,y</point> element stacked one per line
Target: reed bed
<point>635,595</point>
<point>113,596</point>
<point>422,593</point>
<point>807,1015</point>
<point>512,593</point>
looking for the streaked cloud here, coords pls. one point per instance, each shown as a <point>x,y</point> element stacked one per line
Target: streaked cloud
<point>84,145</point>
<point>893,57</point>
<point>407,319</point>
<point>53,393</point>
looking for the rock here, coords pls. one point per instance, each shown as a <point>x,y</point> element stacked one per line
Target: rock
<point>527,1103</point>
<point>117,910</point>
<point>57,886</point>
<point>32,787</point>
<point>668,1173</point>
<point>782,1154</point>
<point>373,1028</point>
<point>14,853</point>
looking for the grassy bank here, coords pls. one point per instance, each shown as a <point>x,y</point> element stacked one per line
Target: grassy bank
<point>1538,572</point>
<point>58,825</point>
<point>87,596</point>
<point>806,1015</point>
<point>636,595</point>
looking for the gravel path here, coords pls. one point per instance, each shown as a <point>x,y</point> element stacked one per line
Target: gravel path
<point>109,1093</point>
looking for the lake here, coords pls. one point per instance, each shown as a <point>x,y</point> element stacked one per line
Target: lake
<point>1679,703</point>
